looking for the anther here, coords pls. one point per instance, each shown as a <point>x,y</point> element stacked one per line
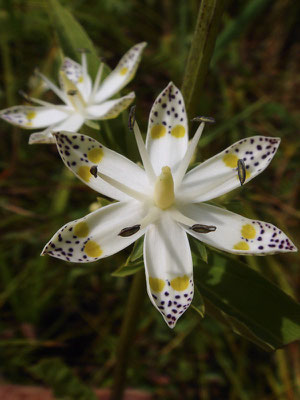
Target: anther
<point>72,92</point>
<point>94,171</point>
<point>199,228</point>
<point>131,118</point>
<point>129,231</point>
<point>207,120</point>
<point>25,96</point>
<point>84,50</point>
<point>241,167</point>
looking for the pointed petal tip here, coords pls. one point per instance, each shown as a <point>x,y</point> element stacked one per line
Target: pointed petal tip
<point>142,45</point>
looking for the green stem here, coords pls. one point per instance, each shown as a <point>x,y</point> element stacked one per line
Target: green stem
<point>206,30</point>
<point>128,329</point>
<point>61,195</point>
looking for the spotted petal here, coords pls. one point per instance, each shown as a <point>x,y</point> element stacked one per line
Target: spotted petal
<point>236,234</point>
<point>30,117</point>
<point>219,175</point>
<point>167,136</point>
<point>122,74</point>
<point>78,76</point>
<point>96,236</point>
<point>80,153</point>
<point>111,108</point>
<point>169,268</point>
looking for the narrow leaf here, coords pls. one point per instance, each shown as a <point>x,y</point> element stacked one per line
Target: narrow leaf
<point>247,297</point>
<point>72,36</point>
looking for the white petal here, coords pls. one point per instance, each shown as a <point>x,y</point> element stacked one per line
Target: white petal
<point>237,234</point>
<point>167,136</point>
<point>80,153</point>
<point>219,175</point>
<point>43,137</point>
<point>72,123</point>
<point>74,72</point>
<point>109,109</point>
<point>169,268</point>
<point>30,117</point>
<point>122,74</point>
<point>96,235</point>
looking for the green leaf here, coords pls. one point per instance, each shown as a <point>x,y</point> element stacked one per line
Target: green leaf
<point>252,305</point>
<point>72,36</point>
<point>137,251</point>
<point>128,269</point>
<point>198,248</point>
<point>198,303</point>
<point>63,382</point>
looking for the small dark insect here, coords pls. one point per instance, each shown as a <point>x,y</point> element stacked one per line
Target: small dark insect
<point>208,120</point>
<point>131,117</point>
<point>199,228</point>
<point>94,171</point>
<point>131,230</point>
<point>72,92</point>
<point>241,167</point>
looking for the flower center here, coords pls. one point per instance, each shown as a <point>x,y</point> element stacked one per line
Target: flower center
<point>73,94</point>
<point>164,189</point>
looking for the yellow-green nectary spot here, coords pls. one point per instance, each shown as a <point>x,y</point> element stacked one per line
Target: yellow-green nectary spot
<point>31,115</point>
<point>92,249</point>
<point>241,246</point>
<point>178,131</point>
<point>248,231</point>
<point>95,155</point>
<point>81,229</point>
<point>158,131</point>
<point>156,284</point>
<point>84,173</point>
<point>123,71</point>
<point>180,283</point>
<point>230,160</point>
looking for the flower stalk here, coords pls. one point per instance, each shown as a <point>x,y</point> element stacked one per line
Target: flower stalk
<point>128,329</point>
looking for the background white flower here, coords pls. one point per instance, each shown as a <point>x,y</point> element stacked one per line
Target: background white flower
<point>83,101</point>
<point>164,203</point>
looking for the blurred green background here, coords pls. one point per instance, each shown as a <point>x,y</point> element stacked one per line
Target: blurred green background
<point>60,319</point>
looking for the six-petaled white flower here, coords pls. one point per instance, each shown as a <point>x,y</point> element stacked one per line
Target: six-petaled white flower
<point>164,202</point>
<point>83,101</point>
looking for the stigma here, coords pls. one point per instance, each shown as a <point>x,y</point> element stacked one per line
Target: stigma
<point>164,196</point>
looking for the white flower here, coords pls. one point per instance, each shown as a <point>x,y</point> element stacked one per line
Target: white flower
<point>83,101</point>
<point>164,203</point>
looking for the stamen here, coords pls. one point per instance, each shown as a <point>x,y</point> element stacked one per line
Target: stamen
<point>188,156</point>
<point>33,100</point>
<point>84,65</point>
<point>131,230</point>
<point>142,148</point>
<point>51,86</point>
<point>118,185</point>
<point>200,228</point>
<point>241,167</point>
<point>207,120</point>
<point>131,117</point>
<point>72,92</point>
<point>193,225</point>
<point>97,81</point>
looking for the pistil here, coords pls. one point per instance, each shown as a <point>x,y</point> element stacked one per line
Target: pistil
<point>164,195</point>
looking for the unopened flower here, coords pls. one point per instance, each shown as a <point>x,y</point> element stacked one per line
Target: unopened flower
<point>83,101</point>
<point>164,203</point>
